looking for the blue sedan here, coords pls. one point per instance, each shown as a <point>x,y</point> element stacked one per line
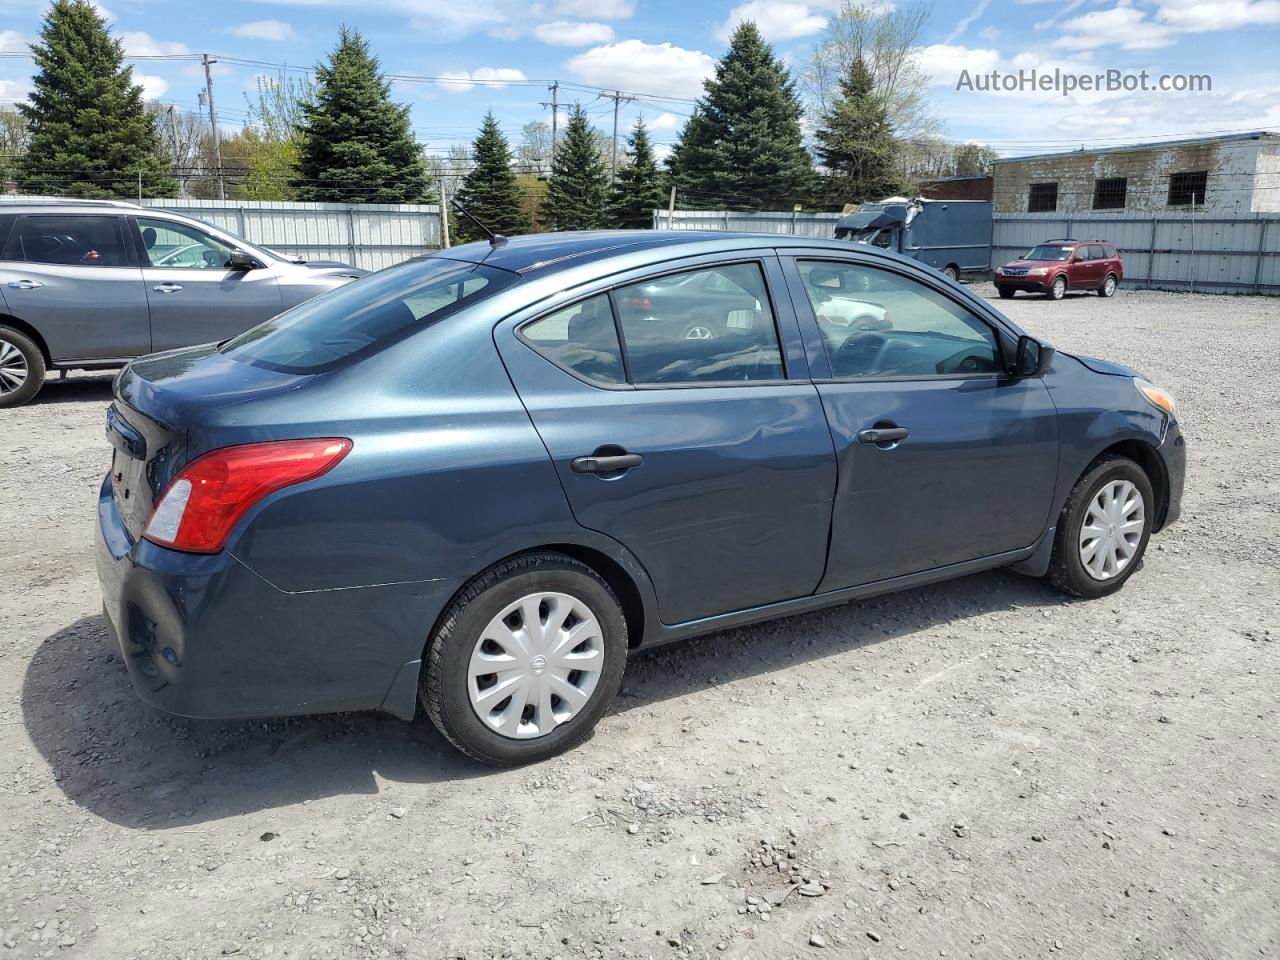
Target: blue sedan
<point>474,482</point>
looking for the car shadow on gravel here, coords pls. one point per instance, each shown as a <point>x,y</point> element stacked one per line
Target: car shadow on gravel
<point>76,389</point>
<point>136,766</point>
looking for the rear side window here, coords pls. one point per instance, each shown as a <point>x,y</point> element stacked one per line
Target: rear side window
<point>1096,252</point>
<point>709,325</point>
<point>367,315</point>
<point>581,338</point>
<point>69,241</point>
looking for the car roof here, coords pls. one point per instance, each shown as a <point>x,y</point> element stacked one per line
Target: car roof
<point>547,252</point>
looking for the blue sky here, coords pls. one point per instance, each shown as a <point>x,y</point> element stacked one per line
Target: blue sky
<point>664,47</point>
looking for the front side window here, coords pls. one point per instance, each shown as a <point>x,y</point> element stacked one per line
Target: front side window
<point>175,245</point>
<point>70,241</point>
<point>581,338</point>
<point>366,315</point>
<point>709,325</point>
<point>878,324</point>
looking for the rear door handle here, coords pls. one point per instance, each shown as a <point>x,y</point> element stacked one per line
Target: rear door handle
<point>25,284</point>
<point>884,434</point>
<point>167,287</point>
<point>621,461</point>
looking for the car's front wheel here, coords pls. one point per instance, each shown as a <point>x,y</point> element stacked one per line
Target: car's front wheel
<point>1103,529</point>
<point>1005,294</point>
<point>21,368</point>
<point>1059,288</point>
<point>526,660</point>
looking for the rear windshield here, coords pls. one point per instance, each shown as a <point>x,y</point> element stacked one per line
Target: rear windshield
<point>364,316</point>
<point>1048,251</point>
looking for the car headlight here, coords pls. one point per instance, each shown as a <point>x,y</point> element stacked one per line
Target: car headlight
<point>1037,271</point>
<point>1155,396</point>
<point>1000,271</point>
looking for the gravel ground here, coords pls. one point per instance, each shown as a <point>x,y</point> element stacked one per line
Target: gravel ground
<point>979,769</point>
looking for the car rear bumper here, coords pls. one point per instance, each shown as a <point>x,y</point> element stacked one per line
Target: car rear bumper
<point>204,636</point>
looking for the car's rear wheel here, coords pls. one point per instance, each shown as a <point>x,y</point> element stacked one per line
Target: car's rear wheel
<point>951,272</point>
<point>1103,529</point>
<point>1059,288</point>
<point>21,368</point>
<point>1108,288</point>
<point>526,660</point>
<point>1005,294</point>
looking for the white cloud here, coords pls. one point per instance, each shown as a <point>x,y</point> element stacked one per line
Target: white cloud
<point>138,43</point>
<point>1219,15</point>
<point>989,33</point>
<point>945,61</point>
<point>103,12</point>
<point>153,87</point>
<point>460,81</point>
<point>666,121</point>
<point>967,22</point>
<point>274,30</point>
<point>11,41</point>
<point>603,9</point>
<point>1122,25</point>
<point>777,19</point>
<point>568,33</point>
<point>659,68</point>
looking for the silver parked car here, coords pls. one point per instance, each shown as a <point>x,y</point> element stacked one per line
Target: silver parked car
<point>93,284</point>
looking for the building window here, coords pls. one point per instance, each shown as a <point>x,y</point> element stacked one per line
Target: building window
<point>1042,198</point>
<point>1187,188</point>
<point>1109,194</point>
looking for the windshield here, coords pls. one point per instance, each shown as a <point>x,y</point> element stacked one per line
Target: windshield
<point>362,317</point>
<point>1048,251</point>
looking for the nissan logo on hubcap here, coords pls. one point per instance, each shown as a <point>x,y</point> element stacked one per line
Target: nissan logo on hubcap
<point>538,665</point>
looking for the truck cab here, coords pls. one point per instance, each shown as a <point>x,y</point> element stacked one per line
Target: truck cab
<point>952,236</point>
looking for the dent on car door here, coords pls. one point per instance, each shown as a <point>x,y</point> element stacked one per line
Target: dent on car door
<point>693,451</point>
<point>942,457</point>
<point>74,279</point>
<point>194,295</point>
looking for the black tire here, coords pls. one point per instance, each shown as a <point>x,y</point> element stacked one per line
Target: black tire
<point>1109,285</point>
<point>33,365</point>
<point>1066,570</point>
<point>443,682</point>
<point>1005,294</point>
<point>1058,289</point>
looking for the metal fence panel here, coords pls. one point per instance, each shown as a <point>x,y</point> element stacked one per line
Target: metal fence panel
<point>373,235</point>
<point>822,225</point>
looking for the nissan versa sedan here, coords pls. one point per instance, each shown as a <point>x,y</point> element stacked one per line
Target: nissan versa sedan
<point>477,481</point>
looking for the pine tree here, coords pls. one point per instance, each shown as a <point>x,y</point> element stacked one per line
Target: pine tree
<point>490,192</point>
<point>578,194</point>
<point>90,133</point>
<point>356,143</point>
<point>856,143</point>
<point>742,146</point>
<point>637,190</point>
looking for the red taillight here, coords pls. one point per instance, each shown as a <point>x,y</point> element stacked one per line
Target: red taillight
<point>643,302</point>
<point>203,503</point>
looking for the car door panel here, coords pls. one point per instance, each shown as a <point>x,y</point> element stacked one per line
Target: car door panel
<point>730,506</point>
<point>82,310</point>
<point>973,478</point>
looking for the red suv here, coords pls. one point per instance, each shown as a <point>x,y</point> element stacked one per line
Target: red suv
<point>1056,266</point>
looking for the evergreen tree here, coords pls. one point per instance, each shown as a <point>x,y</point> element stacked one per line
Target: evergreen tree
<point>577,197</point>
<point>90,133</point>
<point>356,144</point>
<point>856,143</point>
<point>743,145</point>
<point>637,190</point>
<point>490,191</point>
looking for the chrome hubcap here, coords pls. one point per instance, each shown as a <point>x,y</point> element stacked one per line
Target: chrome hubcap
<point>13,368</point>
<point>535,665</point>
<point>1112,530</point>
<point>1111,286</point>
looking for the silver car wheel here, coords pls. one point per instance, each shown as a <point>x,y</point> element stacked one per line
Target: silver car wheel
<point>13,368</point>
<point>536,665</point>
<point>1112,530</point>
<point>1109,286</point>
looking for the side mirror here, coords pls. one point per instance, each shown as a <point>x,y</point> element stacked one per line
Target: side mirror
<point>1077,259</point>
<point>239,260</point>
<point>1032,358</point>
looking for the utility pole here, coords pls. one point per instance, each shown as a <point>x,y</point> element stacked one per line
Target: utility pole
<point>618,98</point>
<point>213,121</point>
<point>444,215</point>
<point>554,104</point>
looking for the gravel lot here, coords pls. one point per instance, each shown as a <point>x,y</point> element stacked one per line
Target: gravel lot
<point>980,769</point>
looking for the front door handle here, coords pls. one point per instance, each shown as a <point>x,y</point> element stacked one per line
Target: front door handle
<point>608,464</point>
<point>25,284</point>
<point>167,287</point>
<point>884,435</point>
